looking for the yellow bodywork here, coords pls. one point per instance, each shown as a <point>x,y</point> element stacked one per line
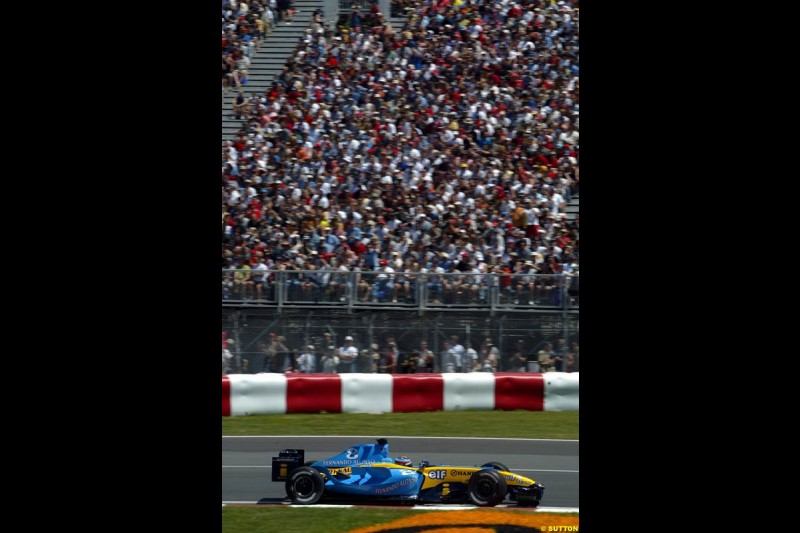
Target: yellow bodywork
<point>436,475</point>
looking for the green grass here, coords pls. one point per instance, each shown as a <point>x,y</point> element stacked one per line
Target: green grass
<point>498,424</point>
<point>306,520</point>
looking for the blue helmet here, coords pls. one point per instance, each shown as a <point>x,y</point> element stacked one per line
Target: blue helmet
<point>403,460</point>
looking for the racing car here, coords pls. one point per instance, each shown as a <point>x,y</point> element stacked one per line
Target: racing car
<point>366,471</point>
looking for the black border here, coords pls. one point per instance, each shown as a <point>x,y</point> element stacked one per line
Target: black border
<point>144,294</point>
<point>646,309</point>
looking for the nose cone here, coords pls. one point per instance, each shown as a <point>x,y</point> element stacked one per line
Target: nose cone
<point>522,480</point>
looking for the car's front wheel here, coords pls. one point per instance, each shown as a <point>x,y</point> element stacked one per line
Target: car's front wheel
<point>305,486</point>
<point>487,488</point>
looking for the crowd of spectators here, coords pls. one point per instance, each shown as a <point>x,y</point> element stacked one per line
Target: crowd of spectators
<point>448,145</point>
<point>245,25</point>
<point>326,356</point>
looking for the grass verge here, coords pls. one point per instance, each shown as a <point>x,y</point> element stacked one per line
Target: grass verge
<point>497,424</point>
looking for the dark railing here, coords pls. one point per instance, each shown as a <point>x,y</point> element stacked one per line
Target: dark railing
<point>346,289</point>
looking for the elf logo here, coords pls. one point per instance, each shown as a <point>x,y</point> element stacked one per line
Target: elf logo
<point>437,474</point>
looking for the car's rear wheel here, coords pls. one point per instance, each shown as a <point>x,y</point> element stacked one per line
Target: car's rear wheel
<point>496,465</point>
<point>304,486</point>
<point>486,488</point>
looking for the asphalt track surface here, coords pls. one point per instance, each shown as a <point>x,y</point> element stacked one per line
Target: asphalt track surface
<point>247,461</point>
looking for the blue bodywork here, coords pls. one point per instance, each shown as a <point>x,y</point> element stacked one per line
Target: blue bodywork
<point>367,470</point>
<point>376,481</point>
<point>361,453</point>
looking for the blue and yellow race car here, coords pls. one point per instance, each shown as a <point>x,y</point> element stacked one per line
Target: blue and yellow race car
<point>366,471</point>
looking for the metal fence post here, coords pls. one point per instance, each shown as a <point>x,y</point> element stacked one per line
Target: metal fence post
<point>238,348</point>
<point>500,345</point>
<point>281,279</point>
<point>352,290</point>
<point>422,293</point>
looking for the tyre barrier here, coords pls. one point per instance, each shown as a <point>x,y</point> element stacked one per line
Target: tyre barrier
<point>250,394</point>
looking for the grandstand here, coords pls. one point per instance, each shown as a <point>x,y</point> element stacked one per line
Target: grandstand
<point>410,175</point>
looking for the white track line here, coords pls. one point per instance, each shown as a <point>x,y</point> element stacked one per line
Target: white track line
<point>513,469</point>
<point>453,507</point>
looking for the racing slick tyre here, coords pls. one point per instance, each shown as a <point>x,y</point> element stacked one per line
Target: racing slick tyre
<point>304,486</point>
<point>496,465</point>
<point>487,488</point>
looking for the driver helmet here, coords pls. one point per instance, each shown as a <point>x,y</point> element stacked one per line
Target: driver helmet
<point>403,460</point>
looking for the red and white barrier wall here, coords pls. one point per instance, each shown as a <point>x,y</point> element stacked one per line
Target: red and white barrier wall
<point>248,394</point>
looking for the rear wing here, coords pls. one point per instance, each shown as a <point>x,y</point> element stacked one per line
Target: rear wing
<point>286,461</point>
